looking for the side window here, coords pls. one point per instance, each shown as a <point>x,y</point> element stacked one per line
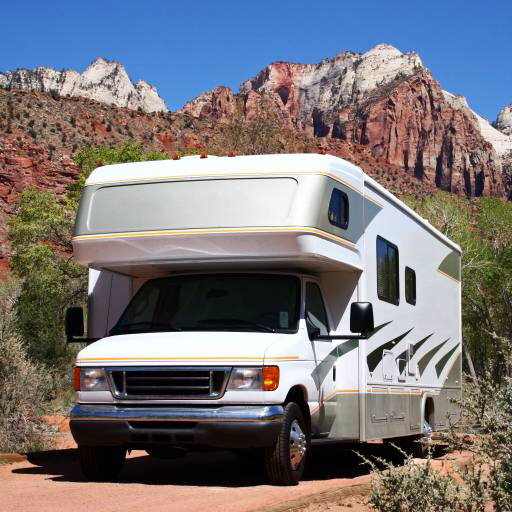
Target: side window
<point>315,310</point>
<point>388,284</point>
<point>338,209</point>
<point>410,286</point>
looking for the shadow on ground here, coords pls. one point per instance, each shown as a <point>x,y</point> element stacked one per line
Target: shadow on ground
<point>221,469</point>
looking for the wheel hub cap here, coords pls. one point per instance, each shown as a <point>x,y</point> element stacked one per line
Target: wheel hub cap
<point>297,445</point>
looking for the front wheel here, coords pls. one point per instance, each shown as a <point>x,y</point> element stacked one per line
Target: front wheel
<point>285,460</point>
<point>101,463</point>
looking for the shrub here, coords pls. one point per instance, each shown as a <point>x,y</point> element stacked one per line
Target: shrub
<point>412,487</point>
<point>24,385</point>
<point>256,135</point>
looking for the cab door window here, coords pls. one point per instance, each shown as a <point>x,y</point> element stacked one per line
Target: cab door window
<point>316,316</point>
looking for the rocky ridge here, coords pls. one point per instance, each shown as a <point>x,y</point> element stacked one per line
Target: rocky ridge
<point>40,133</point>
<point>332,83</point>
<point>387,102</point>
<point>104,80</point>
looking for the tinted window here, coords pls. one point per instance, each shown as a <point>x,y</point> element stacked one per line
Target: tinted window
<point>410,285</point>
<point>315,310</point>
<point>338,209</point>
<point>214,302</point>
<point>387,271</point>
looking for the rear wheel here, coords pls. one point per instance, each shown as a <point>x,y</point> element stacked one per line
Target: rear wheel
<point>101,463</point>
<point>285,460</point>
<point>418,445</point>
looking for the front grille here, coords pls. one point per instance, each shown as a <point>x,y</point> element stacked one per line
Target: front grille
<point>165,383</point>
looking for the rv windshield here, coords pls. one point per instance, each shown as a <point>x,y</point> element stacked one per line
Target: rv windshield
<point>214,302</point>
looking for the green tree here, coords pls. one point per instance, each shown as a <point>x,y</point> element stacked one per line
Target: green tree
<point>40,234</point>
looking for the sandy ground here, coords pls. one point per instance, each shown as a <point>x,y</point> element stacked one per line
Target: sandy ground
<point>52,481</point>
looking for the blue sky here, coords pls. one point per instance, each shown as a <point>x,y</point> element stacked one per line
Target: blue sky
<point>186,47</point>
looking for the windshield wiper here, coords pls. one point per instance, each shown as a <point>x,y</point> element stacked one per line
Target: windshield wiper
<point>140,327</point>
<point>227,323</point>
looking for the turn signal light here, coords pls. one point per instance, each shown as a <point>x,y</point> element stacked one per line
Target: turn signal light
<point>76,378</point>
<point>270,378</point>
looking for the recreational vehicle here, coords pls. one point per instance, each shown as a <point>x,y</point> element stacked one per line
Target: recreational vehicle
<point>258,302</point>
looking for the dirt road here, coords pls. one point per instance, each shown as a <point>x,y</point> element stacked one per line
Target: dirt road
<point>220,481</point>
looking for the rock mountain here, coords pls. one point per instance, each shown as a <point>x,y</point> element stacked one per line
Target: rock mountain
<point>383,103</point>
<point>386,101</point>
<point>104,80</point>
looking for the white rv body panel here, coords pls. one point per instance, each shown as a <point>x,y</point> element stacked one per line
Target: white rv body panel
<point>386,386</point>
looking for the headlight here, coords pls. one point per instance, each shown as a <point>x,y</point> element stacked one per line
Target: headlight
<point>264,378</point>
<point>91,379</point>
<point>245,378</point>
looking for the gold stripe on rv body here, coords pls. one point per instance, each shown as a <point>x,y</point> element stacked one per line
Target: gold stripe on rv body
<point>189,358</point>
<point>201,231</point>
<point>394,392</point>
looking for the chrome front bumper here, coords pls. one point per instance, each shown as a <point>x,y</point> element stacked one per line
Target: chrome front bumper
<point>227,426</point>
<point>227,413</point>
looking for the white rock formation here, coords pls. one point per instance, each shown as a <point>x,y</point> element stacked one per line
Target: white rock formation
<point>333,82</point>
<point>105,81</point>
<point>504,120</point>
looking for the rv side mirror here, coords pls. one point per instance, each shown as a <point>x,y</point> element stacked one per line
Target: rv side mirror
<point>74,324</point>
<point>361,317</point>
<point>313,330</point>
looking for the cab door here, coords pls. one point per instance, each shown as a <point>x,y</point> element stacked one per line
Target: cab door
<point>324,374</point>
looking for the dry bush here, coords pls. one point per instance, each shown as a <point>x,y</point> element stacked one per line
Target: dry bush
<point>418,486</point>
<point>24,386</point>
<point>481,485</point>
<point>410,487</point>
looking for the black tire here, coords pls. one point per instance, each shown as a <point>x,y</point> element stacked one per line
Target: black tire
<point>279,466</point>
<point>101,463</point>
